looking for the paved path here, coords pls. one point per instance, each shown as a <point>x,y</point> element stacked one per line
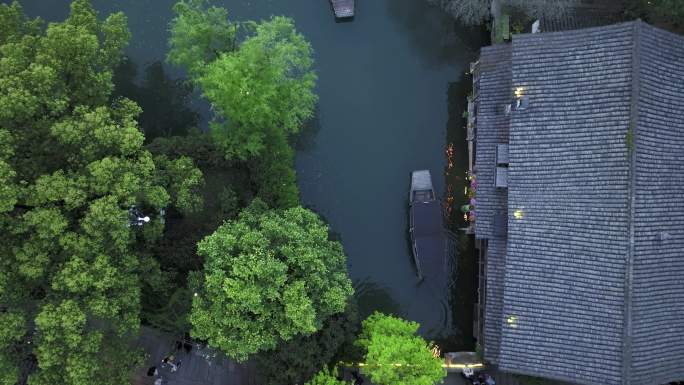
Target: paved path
<point>200,366</point>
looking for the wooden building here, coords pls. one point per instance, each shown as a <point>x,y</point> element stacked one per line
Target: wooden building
<point>579,159</point>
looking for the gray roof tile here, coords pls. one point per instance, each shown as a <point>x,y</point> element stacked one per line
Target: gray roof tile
<point>579,303</point>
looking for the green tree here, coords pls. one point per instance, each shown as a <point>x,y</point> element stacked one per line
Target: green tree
<point>267,84</point>
<point>326,377</point>
<point>268,276</point>
<point>542,9</point>
<point>475,12</point>
<point>199,35</point>
<point>297,360</point>
<point>195,145</point>
<point>664,13</point>
<point>468,12</point>
<point>274,174</point>
<point>395,355</point>
<point>259,86</point>
<point>72,162</point>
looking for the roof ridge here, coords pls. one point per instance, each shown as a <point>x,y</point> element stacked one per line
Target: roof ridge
<point>578,31</point>
<point>631,158</point>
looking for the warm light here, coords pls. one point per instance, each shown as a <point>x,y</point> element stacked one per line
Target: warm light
<point>450,366</point>
<point>513,321</point>
<point>461,366</point>
<point>518,214</point>
<point>519,92</point>
<point>436,352</point>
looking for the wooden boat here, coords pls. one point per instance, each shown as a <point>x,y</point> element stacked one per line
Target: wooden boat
<point>343,8</point>
<point>426,227</point>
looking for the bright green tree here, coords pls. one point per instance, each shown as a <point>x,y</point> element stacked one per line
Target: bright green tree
<point>258,86</point>
<point>326,377</point>
<point>71,165</point>
<point>266,84</point>
<point>268,276</point>
<point>259,81</point>
<point>395,355</point>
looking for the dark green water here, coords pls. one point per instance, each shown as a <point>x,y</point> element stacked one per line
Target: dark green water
<point>383,85</point>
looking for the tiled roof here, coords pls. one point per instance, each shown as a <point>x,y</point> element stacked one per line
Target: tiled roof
<point>564,279</point>
<point>494,73</point>
<point>657,343</point>
<point>494,76</point>
<point>593,269</point>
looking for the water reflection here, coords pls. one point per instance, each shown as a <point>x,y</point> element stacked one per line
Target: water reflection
<point>164,100</point>
<point>305,140</point>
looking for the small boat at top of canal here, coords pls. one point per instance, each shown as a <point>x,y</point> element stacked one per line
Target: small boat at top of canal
<point>429,241</point>
<point>343,9</point>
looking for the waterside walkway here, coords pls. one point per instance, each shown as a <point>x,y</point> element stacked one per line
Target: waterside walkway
<point>199,366</point>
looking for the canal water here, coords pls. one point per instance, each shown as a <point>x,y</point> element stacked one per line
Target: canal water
<point>384,83</point>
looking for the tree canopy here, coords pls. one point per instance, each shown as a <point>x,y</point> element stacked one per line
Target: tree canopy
<point>395,355</point>
<point>326,377</point>
<point>667,14</point>
<point>268,276</point>
<point>259,86</point>
<point>199,34</point>
<point>266,84</point>
<point>72,163</point>
<point>468,12</point>
<point>474,12</point>
<point>297,360</point>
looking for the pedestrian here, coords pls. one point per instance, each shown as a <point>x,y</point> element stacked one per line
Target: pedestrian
<point>357,379</point>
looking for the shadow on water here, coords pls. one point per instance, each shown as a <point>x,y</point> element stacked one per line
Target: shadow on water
<point>305,140</point>
<point>372,297</point>
<point>164,100</point>
<point>344,20</point>
<point>423,22</point>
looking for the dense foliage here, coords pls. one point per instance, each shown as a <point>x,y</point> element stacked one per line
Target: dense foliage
<point>72,163</point>
<point>227,187</point>
<point>199,35</point>
<point>395,355</point>
<point>265,85</point>
<point>268,276</point>
<point>259,87</point>
<point>667,14</point>
<point>259,80</point>
<point>326,377</point>
<point>297,360</point>
<point>474,12</point>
